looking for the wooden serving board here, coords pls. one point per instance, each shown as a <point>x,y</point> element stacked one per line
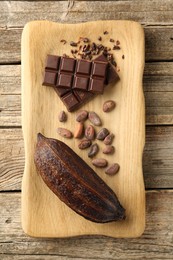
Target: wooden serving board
<point>43,214</point>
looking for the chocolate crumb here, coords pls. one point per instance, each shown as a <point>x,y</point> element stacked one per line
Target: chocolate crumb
<point>123,57</point>
<point>99,38</point>
<point>63,41</point>
<point>111,40</point>
<point>171,38</point>
<point>105,32</point>
<point>86,40</point>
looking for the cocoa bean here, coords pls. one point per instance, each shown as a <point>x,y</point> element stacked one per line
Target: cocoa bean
<point>62,116</point>
<point>84,144</point>
<point>108,105</point>
<point>108,139</point>
<point>64,132</point>
<point>102,134</point>
<point>90,132</point>
<point>81,116</point>
<point>112,169</point>
<point>94,118</point>
<point>99,162</point>
<point>79,130</point>
<point>109,149</point>
<point>93,150</point>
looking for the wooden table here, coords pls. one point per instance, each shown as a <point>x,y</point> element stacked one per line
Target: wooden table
<point>156,16</point>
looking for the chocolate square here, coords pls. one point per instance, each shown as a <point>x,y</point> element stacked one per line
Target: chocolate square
<point>99,69</point>
<point>83,67</point>
<point>96,86</point>
<point>67,64</point>
<point>64,81</point>
<point>52,62</point>
<point>80,83</point>
<point>70,101</point>
<point>50,78</point>
<point>83,96</point>
<point>61,91</point>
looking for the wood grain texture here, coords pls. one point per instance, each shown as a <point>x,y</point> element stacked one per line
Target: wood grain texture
<point>39,110</point>
<point>17,14</point>
<point>157,159</point>
<point>155,243</point>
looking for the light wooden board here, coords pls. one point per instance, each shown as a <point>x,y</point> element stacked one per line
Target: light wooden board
<point>43,214</point>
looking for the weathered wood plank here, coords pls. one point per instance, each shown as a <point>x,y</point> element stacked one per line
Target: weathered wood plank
<point>17,13</point>
<point>155,243</point>
<point>157,159</point>
<point>158,44</point>
<point>158,88</point>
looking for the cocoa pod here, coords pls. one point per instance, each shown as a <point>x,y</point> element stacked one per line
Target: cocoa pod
<point>64,132</point>
<point>94,118</point>
<point>81,116</point>
<point>79,130</point>
<point>93,150</point>
<point>108,139</point>
<point>109,149</point>
<point>112,169</point>
<point>62,116</point>
<point>75,183</point>
<point>84,144</point>
<point>108,105</point>
<point>102,134</point>
<point>99,162</point>
<point>90,132</point>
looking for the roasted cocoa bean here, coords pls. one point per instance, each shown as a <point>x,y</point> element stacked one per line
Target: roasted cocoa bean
<point>64,132</point>
<point>108,139</point>
<point>93,150</point>
<point>84,144</point>
<point>108,105</point>
<point>79,130</point>
<point>90,132</point>
<point>94,118</point>
<point>112,169</point>
<point>62,116</point>
<point>102,134</point>
<point>109,149</point>
<point>99,162</point>
<point>81,116</point>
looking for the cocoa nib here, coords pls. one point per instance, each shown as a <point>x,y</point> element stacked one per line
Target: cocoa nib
<point>73,44</point>
<point>116,47</point>
<point>63,41</point>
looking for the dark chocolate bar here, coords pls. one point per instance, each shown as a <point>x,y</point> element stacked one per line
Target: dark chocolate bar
<point>77,81</point>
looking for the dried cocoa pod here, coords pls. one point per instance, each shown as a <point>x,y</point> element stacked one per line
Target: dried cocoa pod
<point>84,144</point>
<point>62,116</point>
<point>102,134</point>
<point>112,169</point>
<point>99,162</point>
<point>75,183</point>
<point>79,130</point>
<point>93,150</point>
<point>90,132</point>
<point>108,105</point>
<point>108,139</point>
<point>64,132</point>
<point>94,118</point>
<point>81,116</point>
<point>109,149</point>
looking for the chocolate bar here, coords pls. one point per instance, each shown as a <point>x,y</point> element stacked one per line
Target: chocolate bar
<point>77,81</point>
<point>63,72</point>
